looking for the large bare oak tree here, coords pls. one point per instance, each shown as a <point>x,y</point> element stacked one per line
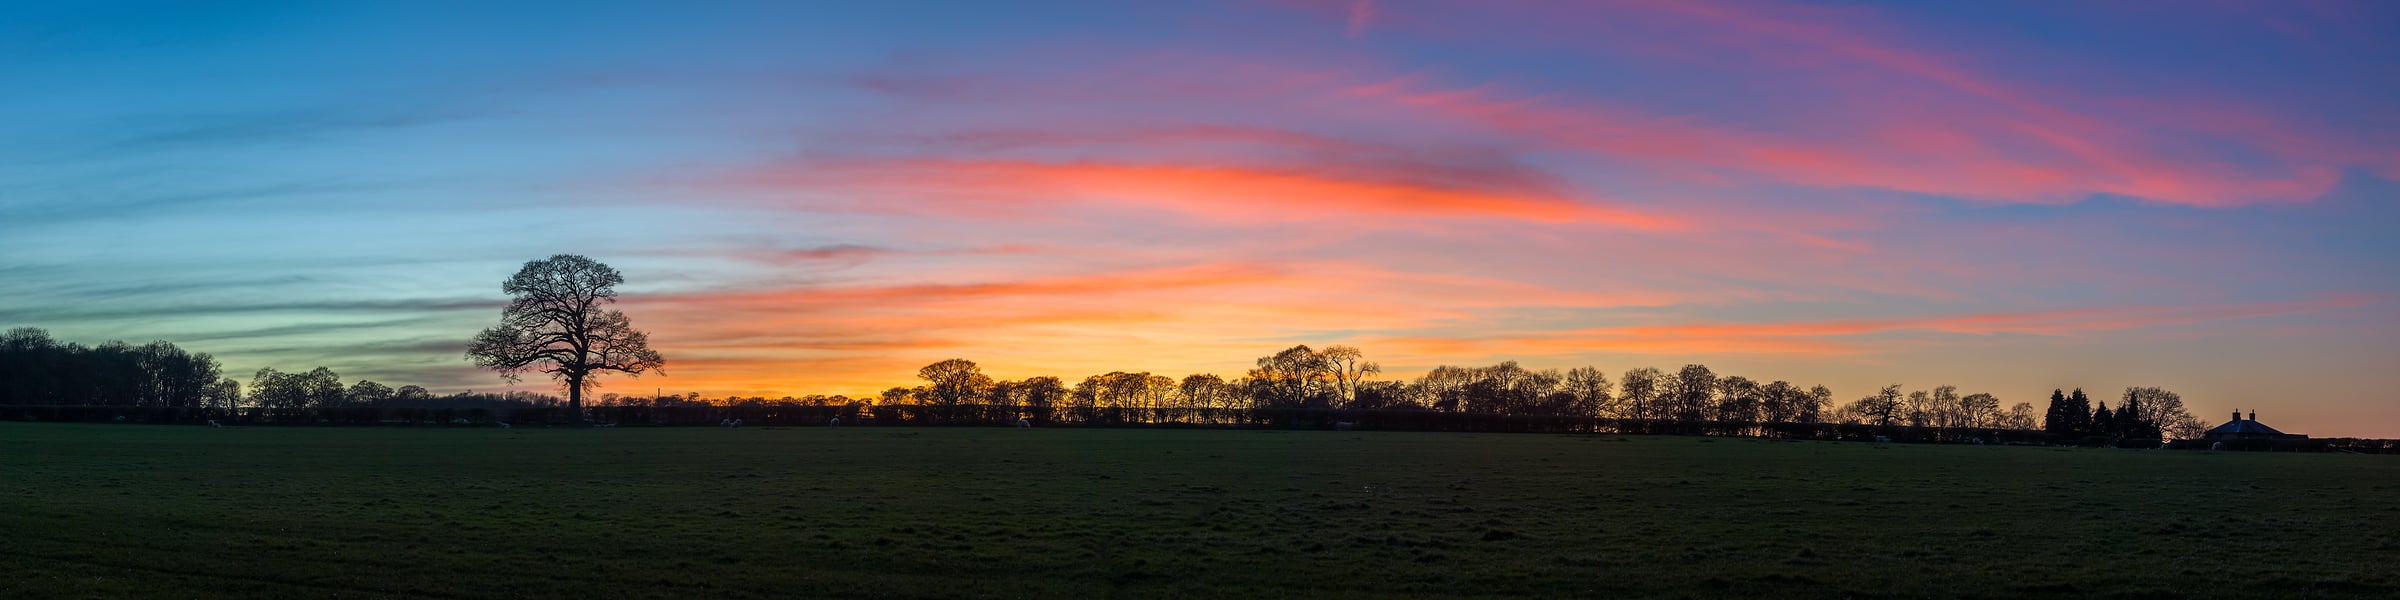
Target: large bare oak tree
<point>557,323</point>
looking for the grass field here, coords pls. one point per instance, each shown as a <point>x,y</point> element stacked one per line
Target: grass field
<point>172,511</point>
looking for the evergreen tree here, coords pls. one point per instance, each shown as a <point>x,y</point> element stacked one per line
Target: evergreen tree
<point>2129,418</point>
<point>2056,420</point>
<point>2079,407</point>
<point>2103,422</point>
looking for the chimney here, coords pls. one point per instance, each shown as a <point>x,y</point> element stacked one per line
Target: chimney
<point>2237,414</point>
<point>2253,414</point>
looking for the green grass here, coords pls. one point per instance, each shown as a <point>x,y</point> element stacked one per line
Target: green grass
<point>171,511</point>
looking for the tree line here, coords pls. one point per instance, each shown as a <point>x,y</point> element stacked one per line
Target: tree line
<point>38,370</point>
<point>1339,378</point>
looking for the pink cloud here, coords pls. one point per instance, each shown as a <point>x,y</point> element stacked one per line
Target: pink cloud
<point>1227,194</point>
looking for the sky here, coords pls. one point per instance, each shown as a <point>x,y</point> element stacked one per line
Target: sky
<point>820,197</point>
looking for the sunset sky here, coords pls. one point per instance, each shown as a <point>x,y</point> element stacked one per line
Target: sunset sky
<point>819,197</point>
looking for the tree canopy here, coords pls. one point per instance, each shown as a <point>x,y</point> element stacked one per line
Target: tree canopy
<point>557,321</point>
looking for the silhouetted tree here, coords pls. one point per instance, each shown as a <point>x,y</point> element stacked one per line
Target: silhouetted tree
<point>1349,369</point>
<point>172,377</point>
<point>2083,412</point>
<point>293,394</point>
<point>1739,399</point>
<point>369,393</point>
<point>557,322</point>
<point>1945,409</point>
<point>2104,423</point>
<point>36,369</point>
<point>223,395</point>
<point>1444,388</point>
<point>1207,390</point>
<point>1297,377</point>
<point>1820,400</point>
<point>1979,410</point>
<point>410,396</point>
<point>1883,408</point>
<point>2162,413</point>
<point>951,383</point>
<point>1691,394</point>
<point>1383,395</point>
<point>2055,419</point>
<point>1042,396</point>
<point>1641,390</point>
<point>1590,389</point>
<point>1917,409</point>
<point>2020,417</point>
<point>1779,402</point>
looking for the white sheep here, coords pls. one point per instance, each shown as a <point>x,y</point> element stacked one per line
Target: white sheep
<point>1022,423</point>
<point>213,423</point>
<point>834,422</point>
<point>1882,440</point>
<point>504,425</point>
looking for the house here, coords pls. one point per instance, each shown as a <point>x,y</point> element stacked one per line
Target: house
<point>2243,430</point>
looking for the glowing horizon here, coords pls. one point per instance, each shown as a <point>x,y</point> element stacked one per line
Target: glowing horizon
<point>822,198</point>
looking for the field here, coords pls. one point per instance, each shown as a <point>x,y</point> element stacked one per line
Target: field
<point>175,511</point>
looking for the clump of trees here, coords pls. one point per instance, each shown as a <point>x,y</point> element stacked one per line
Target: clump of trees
<point>1941,407</point>
<point>2144,415</point>
<point>38,370</point>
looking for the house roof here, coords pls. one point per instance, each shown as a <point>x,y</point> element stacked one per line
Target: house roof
<point>2243,426</point>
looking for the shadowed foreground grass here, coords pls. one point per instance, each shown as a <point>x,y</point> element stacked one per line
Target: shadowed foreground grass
<point>170,511</point>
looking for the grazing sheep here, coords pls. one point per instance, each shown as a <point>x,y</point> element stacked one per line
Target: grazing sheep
<point>737,423</point>
<point>834,422</point>
<point>2216,445</point>
<point>504,425</point>
<point>1882,440</point>
<point>1024,424</point>
<point>214,424</point>
<point>1975,440</point>
<point>1343,425</point>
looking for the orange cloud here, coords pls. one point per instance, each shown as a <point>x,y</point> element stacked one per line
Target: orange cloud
<point>1227,194</point>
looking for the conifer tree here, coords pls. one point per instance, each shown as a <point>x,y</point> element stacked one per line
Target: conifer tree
<point>2129,418</point>
<point>2079,407</point>
<point>2055,420</point>
<point>2104,423</point>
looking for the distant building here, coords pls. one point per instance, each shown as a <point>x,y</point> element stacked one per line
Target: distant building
<point>2244,430</point>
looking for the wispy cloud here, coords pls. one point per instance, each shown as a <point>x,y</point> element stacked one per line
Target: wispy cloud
<point>1218,193</point>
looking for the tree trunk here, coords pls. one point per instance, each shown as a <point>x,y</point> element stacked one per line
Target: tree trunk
<point>575,399</point>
